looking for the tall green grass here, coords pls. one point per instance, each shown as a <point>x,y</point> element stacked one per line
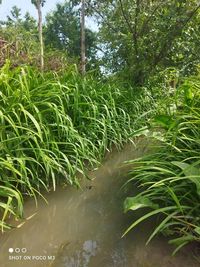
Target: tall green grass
<point>53,127</point>
<point>169,177</point>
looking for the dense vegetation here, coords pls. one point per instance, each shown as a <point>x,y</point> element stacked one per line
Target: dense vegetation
<point>53,127</point>
<point>170,177</point>
<point>142,77</point>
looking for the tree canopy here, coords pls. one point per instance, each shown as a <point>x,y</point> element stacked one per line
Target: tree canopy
<point>63,32</point>
<point>135,38</point>
<point>140,37</point>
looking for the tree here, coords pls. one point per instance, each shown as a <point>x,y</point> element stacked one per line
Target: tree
<point>141,37</point>
<point>15,16</point>
<point>63,32</point>
<point>39,4</point>
<point>83,37</point>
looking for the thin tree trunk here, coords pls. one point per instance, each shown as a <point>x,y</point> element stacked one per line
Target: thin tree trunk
<point>83,58</point>
<point>40,36</point>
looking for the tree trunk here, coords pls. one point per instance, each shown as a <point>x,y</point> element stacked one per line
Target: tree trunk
<point>83,58</point>
<point>40,36</point>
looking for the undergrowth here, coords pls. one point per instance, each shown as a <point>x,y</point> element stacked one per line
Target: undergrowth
<point>54,126</point>
<point>169,177</point>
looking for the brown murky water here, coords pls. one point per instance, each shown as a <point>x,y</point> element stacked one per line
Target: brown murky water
<point>83,228</point>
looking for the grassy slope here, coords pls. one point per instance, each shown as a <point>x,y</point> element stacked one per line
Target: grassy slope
<point>51,125</point>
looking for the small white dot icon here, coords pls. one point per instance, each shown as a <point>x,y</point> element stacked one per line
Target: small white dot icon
<point>11,250</point>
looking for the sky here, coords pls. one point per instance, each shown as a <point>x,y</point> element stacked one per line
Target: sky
<point>25,5</point>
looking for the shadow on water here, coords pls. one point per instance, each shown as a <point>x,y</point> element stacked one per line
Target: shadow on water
<point>83,228</point>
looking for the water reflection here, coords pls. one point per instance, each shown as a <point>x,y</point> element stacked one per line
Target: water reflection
<point>82,228</point>
<point>76,257</point>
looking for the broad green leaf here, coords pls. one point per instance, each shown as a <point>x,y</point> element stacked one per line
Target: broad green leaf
<point>137,202</point>
<point>191,172</point>
<point>165,121</point>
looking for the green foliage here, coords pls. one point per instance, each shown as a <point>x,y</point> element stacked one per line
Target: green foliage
<point>63,32</point>
<point>142,37</point>
<point>54,127</point>
<point>38,2</point>
<point>21,44</point>
<point>138,202</point>
<point>165,121</point>
<point>21,41</point>
<point>170,176</point>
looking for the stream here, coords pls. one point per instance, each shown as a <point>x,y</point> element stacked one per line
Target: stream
<point>83,228</point>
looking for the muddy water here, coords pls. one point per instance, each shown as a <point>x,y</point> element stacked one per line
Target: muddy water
<point>83,228</point>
